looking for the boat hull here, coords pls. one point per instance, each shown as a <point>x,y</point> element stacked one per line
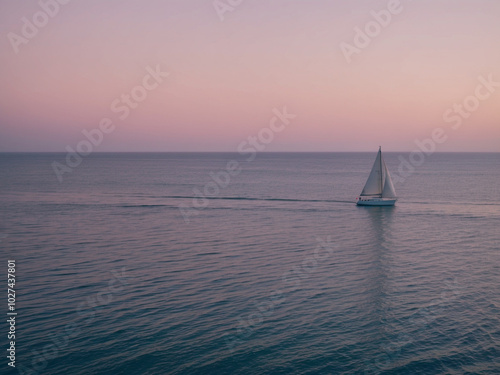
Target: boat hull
<point>376,202</point>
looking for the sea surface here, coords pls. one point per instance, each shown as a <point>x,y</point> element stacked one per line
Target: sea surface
<point>275,270</point>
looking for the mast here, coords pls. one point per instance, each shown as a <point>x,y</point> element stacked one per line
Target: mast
<point>381,171</point>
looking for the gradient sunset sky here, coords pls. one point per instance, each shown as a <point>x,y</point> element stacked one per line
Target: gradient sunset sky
<point>226,76</point>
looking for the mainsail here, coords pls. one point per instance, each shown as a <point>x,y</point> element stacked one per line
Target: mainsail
<point>374,186</point>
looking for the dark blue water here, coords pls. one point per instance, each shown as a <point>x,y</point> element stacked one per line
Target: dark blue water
<point>276,271</point>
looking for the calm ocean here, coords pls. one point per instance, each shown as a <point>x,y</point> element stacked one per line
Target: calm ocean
<point>279,272</point>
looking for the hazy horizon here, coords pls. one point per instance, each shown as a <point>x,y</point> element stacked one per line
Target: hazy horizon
<point>262,152</point>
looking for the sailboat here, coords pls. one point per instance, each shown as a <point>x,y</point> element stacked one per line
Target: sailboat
<point>378,190</point>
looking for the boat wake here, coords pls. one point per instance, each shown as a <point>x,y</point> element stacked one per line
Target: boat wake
<point>263,199</point>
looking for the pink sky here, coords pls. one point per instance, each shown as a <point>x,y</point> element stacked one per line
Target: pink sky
<point>227,76</point>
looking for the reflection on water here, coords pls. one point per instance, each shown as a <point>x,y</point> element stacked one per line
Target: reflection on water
<point>380,229</point>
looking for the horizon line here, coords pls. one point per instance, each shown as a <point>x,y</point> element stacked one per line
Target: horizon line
<point>236,152</point>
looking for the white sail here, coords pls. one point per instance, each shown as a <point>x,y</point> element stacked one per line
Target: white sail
<point>388,191</point>
<point>378,190</point>
<point>373,186</point>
